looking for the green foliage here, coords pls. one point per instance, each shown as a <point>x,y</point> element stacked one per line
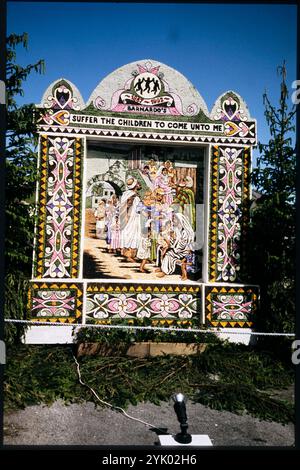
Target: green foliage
<point>20,162</point>
<point>39,374</point>
<point>272,231</point>
<point>16,298</point>
<point>112,337</point>
<point>225,377</point>
<point>20,176</point>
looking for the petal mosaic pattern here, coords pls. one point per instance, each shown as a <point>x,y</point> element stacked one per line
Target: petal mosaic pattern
<point>58,227</point>
<point>58,303</point>
<point>163,303</point>
<point>231,306</point>
<point>64,122</point>
<point>229,213</point>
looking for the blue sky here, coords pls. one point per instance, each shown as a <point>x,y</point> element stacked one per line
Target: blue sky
<point>217,47</point>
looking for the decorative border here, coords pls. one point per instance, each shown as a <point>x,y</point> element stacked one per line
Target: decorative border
<point>164,304</point>
<point>57,303</point>
<point>59,211</point>
<point>225,306</point>
<point>147,135</point>
<point>233,307</point>
<point>229,212</point>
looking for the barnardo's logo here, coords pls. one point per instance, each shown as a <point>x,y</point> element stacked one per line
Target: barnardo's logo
<point>147,85</point>
<point>147,92</point>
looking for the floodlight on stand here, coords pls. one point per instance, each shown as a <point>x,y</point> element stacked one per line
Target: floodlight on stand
<point>180,409</point>
<point>183,438</point>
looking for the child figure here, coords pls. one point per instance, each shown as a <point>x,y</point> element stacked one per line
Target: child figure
<point>165,238</point>
<point>162,182</point>
<point>100,219</point>
<point>144,248</point>
<point>115,235</point>
<point>144,251</point>
<point>152,170</point>
<point>187,265</point>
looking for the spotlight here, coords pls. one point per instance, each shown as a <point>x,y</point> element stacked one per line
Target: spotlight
<point>180,409</point>
<point>183,438</point>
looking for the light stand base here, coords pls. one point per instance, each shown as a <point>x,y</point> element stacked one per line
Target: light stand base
<point>197,440</point>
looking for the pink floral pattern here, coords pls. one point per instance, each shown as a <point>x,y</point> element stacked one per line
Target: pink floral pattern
<point>114,305</point>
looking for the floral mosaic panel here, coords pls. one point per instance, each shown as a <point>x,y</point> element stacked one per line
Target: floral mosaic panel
<point>60,303</point>
<point>58,227</point>
<point>229,197</point>
<point>232,110</point>
<point>163,304</point>
<point>230,306</point>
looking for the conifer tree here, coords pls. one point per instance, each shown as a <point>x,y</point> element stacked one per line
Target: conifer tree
<point>20,179</point>
<point>273,225</point>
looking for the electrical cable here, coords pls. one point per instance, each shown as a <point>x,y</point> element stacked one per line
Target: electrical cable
<point>153,328</point>
<point>109,404</point>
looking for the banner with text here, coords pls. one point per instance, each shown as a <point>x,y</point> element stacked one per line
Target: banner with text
<point>146,123</point>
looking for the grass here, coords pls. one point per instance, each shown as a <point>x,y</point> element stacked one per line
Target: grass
<point>225,377</point>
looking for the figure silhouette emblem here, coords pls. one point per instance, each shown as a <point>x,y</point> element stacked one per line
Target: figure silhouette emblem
<point>147,85</point>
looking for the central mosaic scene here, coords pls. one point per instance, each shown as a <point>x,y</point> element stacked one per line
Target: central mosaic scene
<point>144,212</point>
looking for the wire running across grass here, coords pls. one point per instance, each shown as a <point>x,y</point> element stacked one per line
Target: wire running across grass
<point>153,328</point>
<point>109,404</point>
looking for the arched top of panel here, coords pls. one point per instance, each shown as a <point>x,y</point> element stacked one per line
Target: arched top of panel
<point>146,100</point>
<point>148,87</point>
<point>231,109</point>
<point>230,106</point>
<point>62,94</point>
